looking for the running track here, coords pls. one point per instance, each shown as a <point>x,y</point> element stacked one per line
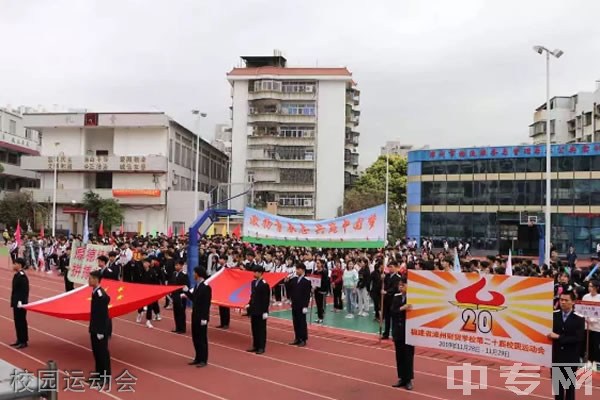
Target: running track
<point>334,365</point>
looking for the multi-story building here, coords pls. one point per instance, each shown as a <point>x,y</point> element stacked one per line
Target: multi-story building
<point>144,160</point>
<point>222,139</point>
<point>398,148</point>
<point>15,142</point>
<point>490,196</point>
<point>294,135</point>
<point>572,119</point>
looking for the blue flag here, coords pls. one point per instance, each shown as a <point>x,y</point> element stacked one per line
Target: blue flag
<point>592,272</point>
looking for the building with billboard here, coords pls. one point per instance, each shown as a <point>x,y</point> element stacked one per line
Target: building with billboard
<point>494,197</point>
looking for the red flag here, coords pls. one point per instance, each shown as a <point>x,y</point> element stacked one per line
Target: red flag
<point>18,233</point>
<point>170,232</point>
<point>231,287</point>
<point>122,229</point>
<point>42,232</point>
<point>124,298</point>
<point>237,231</point>
<point>182,231</point>
<point>101,229</point>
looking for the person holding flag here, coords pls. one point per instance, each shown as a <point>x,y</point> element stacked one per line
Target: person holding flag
<point>390,289</point>
<point>100,327</point>
<point>258,310</point>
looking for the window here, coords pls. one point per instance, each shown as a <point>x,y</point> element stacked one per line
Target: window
<point>298,109</point>
<point>104,180</point>
<point>267,86</point>
<point>581,163</point>
<point>297,176</point>
<point>12,127</point>
<point>295,200</point>
<point>298,87</point>
<point>563,164</point>
<point>296,131</point>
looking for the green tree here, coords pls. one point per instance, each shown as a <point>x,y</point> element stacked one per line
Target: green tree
<point>108,211</point>
<point>21,207</point>
<point>369,191</point>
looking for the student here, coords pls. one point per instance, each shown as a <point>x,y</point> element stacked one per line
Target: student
<point>201,296</point>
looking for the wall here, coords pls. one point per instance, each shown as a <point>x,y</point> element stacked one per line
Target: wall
<point>98,139</point>
<point>139,181</point>
<point>180,206</point>
<point>141,141</point>
<point>330,137</point>
<point>66,180</point>
<point>151,218</point>
<point>70,139</point>
<point>239,139</point>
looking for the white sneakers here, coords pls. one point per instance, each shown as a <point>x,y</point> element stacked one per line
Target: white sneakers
<point>139,318</point>
<point>149,324</point>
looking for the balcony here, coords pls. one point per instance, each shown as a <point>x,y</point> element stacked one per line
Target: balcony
<point>18,143</point>
<point>284,187</point>
<point>67,196</point>
<point>351,159</point>
<point>350,179</point>
<point>265,94</point>
<point>97,163</point>
<point>15,170</point>
<point>352,120</point>
<point>351,140</point>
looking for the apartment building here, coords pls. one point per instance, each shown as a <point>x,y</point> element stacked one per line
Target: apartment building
<point>15,142</point>
<point>145,160</point>
<point>294,135</point>
<point>572,119</point>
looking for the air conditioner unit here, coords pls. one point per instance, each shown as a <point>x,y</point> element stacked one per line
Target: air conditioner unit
<point>309,89</point>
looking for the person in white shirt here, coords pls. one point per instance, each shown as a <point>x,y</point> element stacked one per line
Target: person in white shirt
<point>593,325</point>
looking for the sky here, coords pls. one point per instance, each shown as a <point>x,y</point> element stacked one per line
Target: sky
<point>438,73</point>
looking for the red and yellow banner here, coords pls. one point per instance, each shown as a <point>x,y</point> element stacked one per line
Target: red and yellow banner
<point>124,298</point>
<point>499,316</point>
<point>136,192</point>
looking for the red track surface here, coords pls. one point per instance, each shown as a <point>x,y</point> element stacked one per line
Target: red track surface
<point>334,365</point>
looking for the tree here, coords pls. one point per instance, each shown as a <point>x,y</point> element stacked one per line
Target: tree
<point>108,211</point>
<point>369,191</point>
<point>1,168</point>
<point>20,206</point>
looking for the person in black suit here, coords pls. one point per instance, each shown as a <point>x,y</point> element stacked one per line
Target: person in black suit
<point>390,288</point>
<point>300,290</point>
<point>99,327</point>
<point>405,353</point>
<point>179,304</point>
<point>258,310</point>
<point>109,268</point>
<point>19,297</point>
<point>201,296</point>
<point>63,264</point>
<point>568,334</point>
<point>224,312</point>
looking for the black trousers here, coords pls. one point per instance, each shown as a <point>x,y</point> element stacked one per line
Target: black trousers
<point>200,339</point>
<point>68,284</point>
<point>320,300</point>
<point>151,307</point>
<point>20,318</point>
<point>387,317</point>
<point>405,356</point>
<point>300,328</point>
<point>224,315</point>
<point>277,292</point>
<point>338,304</point>
<point>594,346</point>
<point>179,314</point>
<point>561,393</point>
<point>259,332</point>
<point>101,354</point>
<point>376,297</point>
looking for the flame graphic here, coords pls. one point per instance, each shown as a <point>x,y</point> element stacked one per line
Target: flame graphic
<point>468,297</point>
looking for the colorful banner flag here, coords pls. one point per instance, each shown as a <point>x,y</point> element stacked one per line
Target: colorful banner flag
<point>231,286</point>
<point>501,316</point>
<point>124,298</point>
<point>84,260</point>
<point>86,228</point>
<point>363,229</point>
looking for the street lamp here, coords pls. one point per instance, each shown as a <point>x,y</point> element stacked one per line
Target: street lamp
<point>56,159</point>
<point>196,194</point>
<point>548,213</point>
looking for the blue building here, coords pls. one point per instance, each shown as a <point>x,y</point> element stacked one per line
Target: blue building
<point>494,197</point>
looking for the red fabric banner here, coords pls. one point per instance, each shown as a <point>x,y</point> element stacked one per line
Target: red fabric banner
<point>124,298</point>
<point>231,287</point>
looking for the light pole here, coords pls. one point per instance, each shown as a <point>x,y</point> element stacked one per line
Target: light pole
<point>196,193</point>
<point>548,212</point>
<point>56,159</point>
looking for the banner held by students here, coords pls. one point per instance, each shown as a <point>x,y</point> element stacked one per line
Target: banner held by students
<point>84,260</point>
<point>501,316</point>
<point>362,229</point>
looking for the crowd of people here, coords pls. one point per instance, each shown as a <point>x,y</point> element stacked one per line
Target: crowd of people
<point>363,283</point>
